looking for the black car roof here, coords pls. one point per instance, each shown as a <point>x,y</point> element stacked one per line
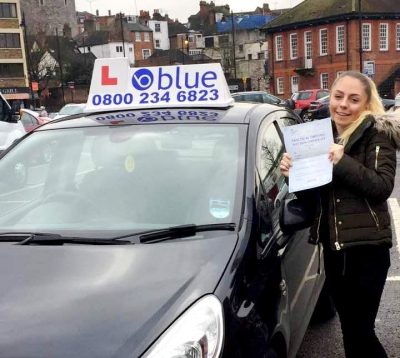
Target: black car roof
<point>238,113</point>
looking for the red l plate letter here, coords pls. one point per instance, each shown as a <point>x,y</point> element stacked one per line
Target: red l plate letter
<point>106,80</point>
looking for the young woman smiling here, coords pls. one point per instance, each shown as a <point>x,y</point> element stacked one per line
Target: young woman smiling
<point>352,218</point>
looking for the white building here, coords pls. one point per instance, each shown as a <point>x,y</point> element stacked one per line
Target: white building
<point>100,45</point>
<point>160,34</point>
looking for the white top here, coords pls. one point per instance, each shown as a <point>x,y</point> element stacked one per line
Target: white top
<point>116,86</point>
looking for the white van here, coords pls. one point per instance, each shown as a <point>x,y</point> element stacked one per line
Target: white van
<point>11,127</point>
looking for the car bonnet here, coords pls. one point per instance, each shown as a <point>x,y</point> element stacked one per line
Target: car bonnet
<point>102,301</point>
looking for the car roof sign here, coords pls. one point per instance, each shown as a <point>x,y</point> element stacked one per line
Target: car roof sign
<point>116,86</point>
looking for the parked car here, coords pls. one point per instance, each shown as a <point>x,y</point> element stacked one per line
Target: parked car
<point>31,119</point>
<point>161,227</point>
<point>318,109</point>
<point>70,109</point>
<point>11,128</point>
<point>388,103</point>
<point>304,98</point>
<point>261,97</point>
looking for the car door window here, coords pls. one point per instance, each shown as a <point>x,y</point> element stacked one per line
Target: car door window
<point>270,181</point>
<point>270,99</point>
<point>321,94</point>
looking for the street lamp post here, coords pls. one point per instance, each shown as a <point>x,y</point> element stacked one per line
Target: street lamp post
<point>61,67</point>
<point>122,32</point>
<point>233,43</point>
<point>28,59</point>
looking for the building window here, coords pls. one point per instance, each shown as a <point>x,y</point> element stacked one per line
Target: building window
<point>366,37</point>
<point>340,39</point>
<point>324,81</point>
<point>294,84</point>
<point>66,2</point>
<point>397,36</point>
<point>147,36</point>
<point>8,70</point>
<point>118,49</point>
<point>157,27</point>
<point>308,44</point>
<point>8,10</point>
<point>293,46</point>
<point>280,85</point>
<point>157,43</point>
<point>249,56</point>
<point>41,3</point>
<point>8,40</point>
<point>138,36</point>
<point>146,53</point>
<point>241,48</point>
<point>323,42</point>
<point>279,48</point>
<point>383,37</point>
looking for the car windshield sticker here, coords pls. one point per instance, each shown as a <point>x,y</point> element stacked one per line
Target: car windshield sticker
<point>219,208</point>
<point>129,163</point>
<point>115,86</point>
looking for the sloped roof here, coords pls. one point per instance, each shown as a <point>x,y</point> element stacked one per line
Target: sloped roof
<point>246,22</point>
<point>138,27</point>
<point>175,28</point>
<point>315,10</point>
<point>94,39</point>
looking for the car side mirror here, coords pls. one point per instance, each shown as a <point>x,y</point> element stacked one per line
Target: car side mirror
<point>290,103</point>
<point>295,215</point>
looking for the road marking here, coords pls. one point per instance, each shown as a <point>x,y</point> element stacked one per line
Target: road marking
<point>395,211</point>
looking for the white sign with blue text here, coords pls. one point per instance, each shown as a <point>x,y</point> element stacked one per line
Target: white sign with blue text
<point>117,86</point>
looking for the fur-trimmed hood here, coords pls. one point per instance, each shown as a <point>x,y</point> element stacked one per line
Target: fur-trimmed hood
<point>389,123</point>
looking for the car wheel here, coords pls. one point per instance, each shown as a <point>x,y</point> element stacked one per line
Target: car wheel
<point>325,309</point>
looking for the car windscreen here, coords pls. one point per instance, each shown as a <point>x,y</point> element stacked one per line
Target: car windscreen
<point>304,95</point>
<point>68,110</point>
<point>123,178</point>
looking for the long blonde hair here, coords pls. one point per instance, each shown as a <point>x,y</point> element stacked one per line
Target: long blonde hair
<point>374,103</point>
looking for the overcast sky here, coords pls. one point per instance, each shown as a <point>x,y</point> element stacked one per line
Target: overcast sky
<point>176,9</point>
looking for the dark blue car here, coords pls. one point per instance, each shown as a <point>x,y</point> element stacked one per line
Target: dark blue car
<point>158,232</point>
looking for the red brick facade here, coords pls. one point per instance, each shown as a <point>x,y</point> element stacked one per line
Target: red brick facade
<point>142,44</point>
<point>385,61</point>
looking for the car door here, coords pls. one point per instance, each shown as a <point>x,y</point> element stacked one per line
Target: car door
<point>299,259</point>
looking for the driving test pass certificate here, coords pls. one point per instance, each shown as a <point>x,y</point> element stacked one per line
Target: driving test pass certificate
<point>308,144</point>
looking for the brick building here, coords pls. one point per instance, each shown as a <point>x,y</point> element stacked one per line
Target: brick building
<point>47,15</point>
<point>142,39</point>
<point>316,40</point>
<point>14,84</point>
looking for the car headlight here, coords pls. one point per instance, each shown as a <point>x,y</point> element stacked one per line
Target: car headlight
<point>198,333</point>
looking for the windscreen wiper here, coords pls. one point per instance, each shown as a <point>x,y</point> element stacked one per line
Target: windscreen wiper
<point>40,238</point>
<point>176,232</point>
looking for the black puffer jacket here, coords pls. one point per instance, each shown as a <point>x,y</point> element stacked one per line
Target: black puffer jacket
<point>362,182</point>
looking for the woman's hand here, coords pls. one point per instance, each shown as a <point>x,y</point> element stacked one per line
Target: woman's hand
<point>286,163</point>
<point>336,152</point>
